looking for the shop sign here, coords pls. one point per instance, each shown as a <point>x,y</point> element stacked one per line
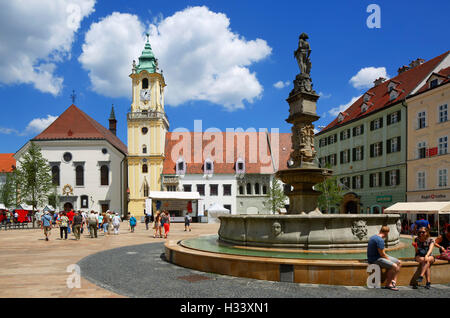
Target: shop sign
<point>384,198</point>
<point>433,196</point>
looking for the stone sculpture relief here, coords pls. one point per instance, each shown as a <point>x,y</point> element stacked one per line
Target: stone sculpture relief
<point>359,229</point>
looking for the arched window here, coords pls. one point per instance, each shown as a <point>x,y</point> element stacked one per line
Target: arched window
<point>79,171</point>
<point>144,149</point>
<point>249,188</point>
<point>241,190</point>
<point>256,188</point>
<point>55,175</point>
<point>145,83</point>
<point>104,175</point>
<point>144,168</point>
<point>145,190</point>
<point>264,189</point>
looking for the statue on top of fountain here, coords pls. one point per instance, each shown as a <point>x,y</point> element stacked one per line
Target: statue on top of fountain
<point>302,82</point>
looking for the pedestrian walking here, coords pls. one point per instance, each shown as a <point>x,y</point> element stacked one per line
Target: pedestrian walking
<point>133,222</point>
<point>165,220</point>
<point>93,224</point>
<point>105,223</point>
<point>157,225</point>
<point>187,223</point>
<point>147,219</point>
<point>116,223</point>
<point>70,215</point>
<point>100,221</point>
<point>63,224</point>
<point>77,221</point>
<point>47,224</point>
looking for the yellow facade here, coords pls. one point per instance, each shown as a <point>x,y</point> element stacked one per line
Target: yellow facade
<point>147,127</point>
<point>429,169</point>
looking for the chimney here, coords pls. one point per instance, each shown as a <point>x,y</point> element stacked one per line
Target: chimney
<point>378,81</point>
<point>416,62</point>
<point>403,69</point>
<point>112,121</point>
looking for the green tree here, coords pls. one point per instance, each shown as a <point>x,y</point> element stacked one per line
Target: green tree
<point>332,194</point>
<point>276,196</point>
<point>8,193</point>
<point>53,199</point>
<point>34,176</point>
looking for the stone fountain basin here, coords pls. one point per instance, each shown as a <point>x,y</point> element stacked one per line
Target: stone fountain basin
<point>305,231</point>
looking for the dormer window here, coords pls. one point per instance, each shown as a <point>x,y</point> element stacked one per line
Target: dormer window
<point>240,166</point>
<point>181,167</point>
<point>340,117</point>
<point>364,107</point>
<point>209,166</point>
<point>367,97</point>
<point>393,94</point>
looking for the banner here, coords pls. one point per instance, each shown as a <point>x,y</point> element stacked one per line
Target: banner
<point>148,206</point>
<point>200,208</point>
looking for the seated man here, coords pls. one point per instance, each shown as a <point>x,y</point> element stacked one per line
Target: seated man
<point>376,255</point>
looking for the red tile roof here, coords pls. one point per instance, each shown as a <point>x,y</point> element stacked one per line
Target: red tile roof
<point>224,148</point>
<point>74,124</point>
<point>443,73</point>
<point>407,81</point>
<point>7,162</point>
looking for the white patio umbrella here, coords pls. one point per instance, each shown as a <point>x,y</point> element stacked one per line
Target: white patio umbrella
<point>214,211</point>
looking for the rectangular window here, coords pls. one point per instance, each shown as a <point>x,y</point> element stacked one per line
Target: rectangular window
<point>443,145</point>
<point>376,149</point>
<point>345,134</point>
<point>443,115</point>
<point>376,124</point>
<point>357,182</point>
<point>201,189</point>
<point>345,156</point>
<point>421,120</point>
<point>393,145</point>
<point>187,188</point>
<point>358,153</point>
<point>443,176</point>
<point>392,177</point>
<point>227,206</point>
<point>421,180</point>
<point>421,150</point>
<point>375,179</point>
<point>433,83</point>
<point>227,189</point>
<point>358,130</point>
<point>346,182</point>
<point>214,189</point>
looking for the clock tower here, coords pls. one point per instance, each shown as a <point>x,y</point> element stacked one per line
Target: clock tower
<point>147,126</point>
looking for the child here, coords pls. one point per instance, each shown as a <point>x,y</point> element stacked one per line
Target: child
<point>132,223</point>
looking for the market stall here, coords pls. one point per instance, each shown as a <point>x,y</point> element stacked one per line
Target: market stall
<point>427,208</point>
<point>177,203</point>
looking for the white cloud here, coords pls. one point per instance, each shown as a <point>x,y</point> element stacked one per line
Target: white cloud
<point>206,61</point>
<point>35,126</point>
<point>365,77</point>
<point>281,84</point>
<point>35,35</point>
<point>336,110</point>
<point>324,96</point>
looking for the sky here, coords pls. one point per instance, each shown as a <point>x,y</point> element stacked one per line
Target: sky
<point>228,63</point>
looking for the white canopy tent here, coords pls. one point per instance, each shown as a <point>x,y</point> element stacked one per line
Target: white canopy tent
<point>420,208</point>
<point>175,199</point>
<point>2,206</point>
<point>173,195</point>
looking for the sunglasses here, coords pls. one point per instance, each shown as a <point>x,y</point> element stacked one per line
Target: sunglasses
<point>421,232</point>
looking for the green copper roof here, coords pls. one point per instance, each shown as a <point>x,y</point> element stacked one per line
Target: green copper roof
<point>147,60</point>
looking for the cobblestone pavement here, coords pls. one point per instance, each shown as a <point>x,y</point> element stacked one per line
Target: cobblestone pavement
<point>141,271</point>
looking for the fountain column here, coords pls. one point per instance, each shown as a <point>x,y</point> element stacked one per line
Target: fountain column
<point>303,172</point>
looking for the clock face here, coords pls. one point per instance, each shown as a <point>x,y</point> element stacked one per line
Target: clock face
<point>145,95</point>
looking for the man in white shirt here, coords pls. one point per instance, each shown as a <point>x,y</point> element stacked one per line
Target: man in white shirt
<point>92,220</point>
<point>116,223</point>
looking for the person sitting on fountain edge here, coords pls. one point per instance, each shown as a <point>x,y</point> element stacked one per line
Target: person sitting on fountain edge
<point>376,255</point>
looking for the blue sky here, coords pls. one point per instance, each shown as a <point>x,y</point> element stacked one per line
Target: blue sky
<point>241,93</point>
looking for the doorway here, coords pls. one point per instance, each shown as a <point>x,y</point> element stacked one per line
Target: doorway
<point>351,207</point>
<point>68,207</point>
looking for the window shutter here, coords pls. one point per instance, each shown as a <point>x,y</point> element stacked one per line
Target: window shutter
<point>341,134</point>
<point>354,154</point>
<point>348,155</point>
<point>371,180</point>
<point>371,150</point>
<point>335,159</point>
<point>362,181</point>
<point>353,182</point>
<point>381,122</point>
<point>399,115</point>
<point>371,125</point>
<point>386,181</point>
<point>388,150</point>
<point>380,177</point>
<point>354,131</point>
<point>362,152</point>
<point>388,119</point>
<point>397,172</point>
<point>342,157</point>
<point>381,148</point>
<point>398,143</point>
<point>362,129</point>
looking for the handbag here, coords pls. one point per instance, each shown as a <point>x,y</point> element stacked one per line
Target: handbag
<point>445,255</point>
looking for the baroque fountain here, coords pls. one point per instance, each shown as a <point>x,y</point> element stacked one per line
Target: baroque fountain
<point>304,246</point>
